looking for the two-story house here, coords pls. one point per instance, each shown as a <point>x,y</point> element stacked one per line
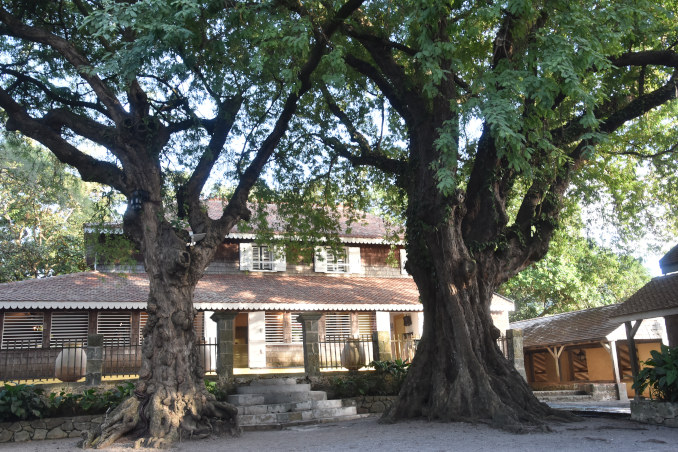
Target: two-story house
<point>360,288</point>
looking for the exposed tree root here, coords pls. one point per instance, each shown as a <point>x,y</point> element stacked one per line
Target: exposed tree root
<point>164,420</point>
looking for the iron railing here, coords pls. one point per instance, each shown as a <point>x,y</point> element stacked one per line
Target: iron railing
<point>333,346</point>
<point>24,360</point>
<point>28,361</point>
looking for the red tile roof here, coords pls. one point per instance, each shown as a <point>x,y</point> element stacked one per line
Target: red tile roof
<point>94,290</point>
<point>571,327</point>
<point>367,226</point>
<point>658,297</point>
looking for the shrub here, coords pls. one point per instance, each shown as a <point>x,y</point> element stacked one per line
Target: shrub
<point>660,375</point>
<point>19,402</point>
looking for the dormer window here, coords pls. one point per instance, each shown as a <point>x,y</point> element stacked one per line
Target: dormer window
<point>262,258</point>
<point>347,260</point>
<point>337,261</point>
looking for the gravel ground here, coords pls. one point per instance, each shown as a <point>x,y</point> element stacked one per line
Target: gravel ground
<point>590,434</point>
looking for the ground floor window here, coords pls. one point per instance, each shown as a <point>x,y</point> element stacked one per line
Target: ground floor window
<point>69,326</point>
<point>22,330</point>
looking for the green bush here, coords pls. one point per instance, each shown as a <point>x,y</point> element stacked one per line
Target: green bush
<point>19,402</point>
<point>214,389</point>
<point>660,375</point>
<point>386,380</point>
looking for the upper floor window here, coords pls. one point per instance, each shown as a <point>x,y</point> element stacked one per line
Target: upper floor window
<point>346,260</point>
<point>262,258</point>
<point>337,261</point>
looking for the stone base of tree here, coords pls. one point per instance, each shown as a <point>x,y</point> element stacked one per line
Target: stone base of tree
<point>51,428</point>
<point>655,412</point>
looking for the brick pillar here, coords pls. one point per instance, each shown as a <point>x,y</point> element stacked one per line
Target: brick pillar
<point>514,343</point>
<point>95,359</point>
<point>311,333</point>
<point>225,321</point>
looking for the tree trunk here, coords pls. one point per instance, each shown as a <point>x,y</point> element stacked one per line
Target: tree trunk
<point>171,401</point>
<point>458,373</point>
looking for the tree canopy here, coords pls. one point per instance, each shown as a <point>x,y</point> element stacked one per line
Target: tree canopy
<point>473,119</point>
<point>43,207</point>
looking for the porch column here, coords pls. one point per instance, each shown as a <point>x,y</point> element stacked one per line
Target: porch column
<point>382,337</point>
<point>311,336</point>
<point>225,338</point>
<point>514,344</point>
<point>95,359</point>
<point>256,339</point>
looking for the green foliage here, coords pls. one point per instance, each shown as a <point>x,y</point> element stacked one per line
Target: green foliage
<point>575,274</point>
<point>42,209</point>
<point>216,390</point>
<point>387,378</point>
<point>28,401</point>
<point>19,402</point>
<point>397,369</point>
<point>660,375</point>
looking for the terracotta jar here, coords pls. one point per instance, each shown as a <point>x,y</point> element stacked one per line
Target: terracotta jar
<point>71,363</point>
<point>353,355</point>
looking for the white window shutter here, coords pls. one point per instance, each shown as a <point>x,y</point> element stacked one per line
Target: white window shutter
<point>354,262</point>
<point>403,260</point>
<point>280,259</point>
<point>246,256</point>
<point>320,260</point>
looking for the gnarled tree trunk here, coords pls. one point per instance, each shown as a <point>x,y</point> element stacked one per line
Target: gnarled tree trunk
<point>171,401</point>
<point>459,372</point>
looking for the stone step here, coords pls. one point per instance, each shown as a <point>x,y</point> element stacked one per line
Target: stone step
<point>245,399</point>
<point>560,392</point>
<point>279,426</point>
<point>273,388</point>
<point>293,406</point>
<point>564,397</point>
<point>295,416</point>
<point>273,381</point>
<point>291,397</point>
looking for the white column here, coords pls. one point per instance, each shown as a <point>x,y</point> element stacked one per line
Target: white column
<point>256,349</point>
<point>417,324</point>
<point>211,335</point>
<point>384,321</point>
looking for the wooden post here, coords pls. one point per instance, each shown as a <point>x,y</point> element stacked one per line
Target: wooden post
<point>555,352</point>
<point>631,331</point>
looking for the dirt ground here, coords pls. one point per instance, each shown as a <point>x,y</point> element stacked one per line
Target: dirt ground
<point>590,434</point>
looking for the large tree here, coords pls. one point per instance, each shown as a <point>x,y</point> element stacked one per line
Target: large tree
<point>129,93</point>
<point>482,114</point>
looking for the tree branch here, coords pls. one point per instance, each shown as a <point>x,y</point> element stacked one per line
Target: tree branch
<point>237,207</point>
<point>90,169</point>
<point>667,58</point>
<point>68,51</point>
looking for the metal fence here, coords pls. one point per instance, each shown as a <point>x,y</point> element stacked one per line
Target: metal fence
<point>502,343</point>
<point>28,360</point>
<point>333,346</point>
<point>22,360</point>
